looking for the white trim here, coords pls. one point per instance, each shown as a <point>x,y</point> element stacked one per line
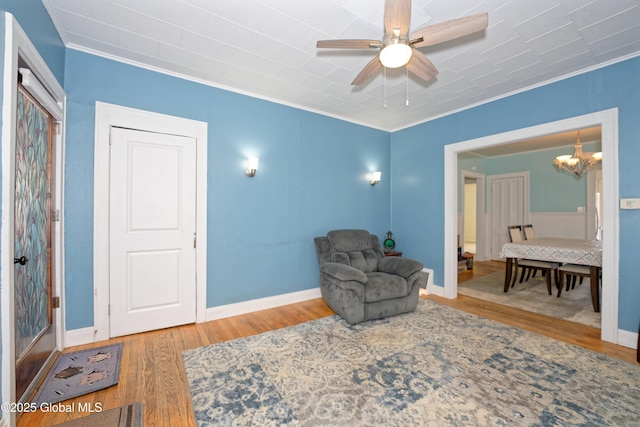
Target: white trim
<point>108,115</point>
<point>18,46</point>
<point>592,178</point>
<point>245,307</point>
<point>532,214</point>
<point>31,83</point>
<point>628,339</point>
<point>429,288</point>
<point>608,119</point>
<point>437,290</point>
<point>79,336</point>
<point>58,200</point>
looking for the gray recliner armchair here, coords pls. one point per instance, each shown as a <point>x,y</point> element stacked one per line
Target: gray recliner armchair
<point>359,282</point>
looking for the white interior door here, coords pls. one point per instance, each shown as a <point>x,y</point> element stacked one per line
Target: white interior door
<point>152,231</point>
<point>509,206</point>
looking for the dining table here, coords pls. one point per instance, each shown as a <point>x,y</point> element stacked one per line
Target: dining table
<point>559,250</point>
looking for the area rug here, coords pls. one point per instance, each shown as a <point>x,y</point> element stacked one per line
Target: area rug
<point>436,366</point>
<point>125,416</point>
<point>574,305</point>
<point>81,372</point>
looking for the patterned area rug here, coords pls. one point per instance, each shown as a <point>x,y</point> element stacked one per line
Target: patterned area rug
<point>436,366</point>
<point>574,305</point>
<point>81,372</point>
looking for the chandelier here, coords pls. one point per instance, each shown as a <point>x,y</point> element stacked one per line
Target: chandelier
<point>579,163</point>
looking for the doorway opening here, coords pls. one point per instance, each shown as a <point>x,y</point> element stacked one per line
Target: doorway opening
<point>471,224</point>
<point>470,217</point>
<point>509,203</point>
<point>608,120</point>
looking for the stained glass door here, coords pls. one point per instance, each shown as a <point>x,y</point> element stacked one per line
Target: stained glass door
<point>34,320</point>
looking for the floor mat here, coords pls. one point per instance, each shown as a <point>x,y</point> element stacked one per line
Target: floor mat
<point>81,372</point>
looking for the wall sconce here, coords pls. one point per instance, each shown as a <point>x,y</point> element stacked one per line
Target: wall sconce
<point>252,166</point>
<point>375,177</point>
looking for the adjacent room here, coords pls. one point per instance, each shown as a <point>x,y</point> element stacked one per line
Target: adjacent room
<point>256,212</point>
<point>560,205</point>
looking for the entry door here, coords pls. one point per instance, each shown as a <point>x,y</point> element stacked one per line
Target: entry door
<point>152,231</point>
<point>35,329</point>
<point>509,206</point>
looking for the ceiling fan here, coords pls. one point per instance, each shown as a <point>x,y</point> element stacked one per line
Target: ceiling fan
<point>398,48</point>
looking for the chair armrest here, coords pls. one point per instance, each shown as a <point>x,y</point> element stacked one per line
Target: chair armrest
<point>343,272</point>
<point>403,267</point>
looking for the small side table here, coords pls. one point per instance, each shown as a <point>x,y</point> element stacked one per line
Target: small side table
<point>468,259</point>
<point>393,254</point>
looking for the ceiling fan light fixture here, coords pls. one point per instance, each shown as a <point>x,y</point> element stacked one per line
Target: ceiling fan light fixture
<point>395,54</point>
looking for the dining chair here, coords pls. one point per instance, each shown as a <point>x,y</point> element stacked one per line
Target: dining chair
<point>527,265</point>
<point>571,278</point>
<point>571,271</point>
<point>529,234</point>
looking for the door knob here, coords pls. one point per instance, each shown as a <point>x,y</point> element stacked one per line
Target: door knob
<point>22,260</point>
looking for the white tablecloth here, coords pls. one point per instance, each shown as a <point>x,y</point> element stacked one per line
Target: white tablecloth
<point>575,251</point>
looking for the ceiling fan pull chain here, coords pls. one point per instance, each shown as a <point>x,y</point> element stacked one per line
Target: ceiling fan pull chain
<point>385,88</point>
<point>407,68</point>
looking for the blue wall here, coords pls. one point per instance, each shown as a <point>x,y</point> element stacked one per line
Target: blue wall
<point>550,189</point>
<point>417,155</point>
<point>312,170</point>
<point>312,178</point>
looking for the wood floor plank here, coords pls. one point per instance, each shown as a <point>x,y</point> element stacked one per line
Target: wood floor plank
<point>152,371</point>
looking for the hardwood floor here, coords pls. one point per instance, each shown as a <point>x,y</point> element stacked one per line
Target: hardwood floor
<point>152,371</point>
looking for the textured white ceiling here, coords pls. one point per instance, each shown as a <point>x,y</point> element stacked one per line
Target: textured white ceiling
<point>266,48</point>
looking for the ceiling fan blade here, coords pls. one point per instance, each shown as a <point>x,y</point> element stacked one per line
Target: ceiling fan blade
<point>397,14</point>
<point>368,71</point>
<point>348,44</point>
<point>450,30</point>
<point>421,66</point>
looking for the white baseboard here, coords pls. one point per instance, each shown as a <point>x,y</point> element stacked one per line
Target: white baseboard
<point>245,307</point>
<point>429,287</point>
<point>85,335</point>
<point>627,339</point>
<point>78,337</point>
<point>436,290</point>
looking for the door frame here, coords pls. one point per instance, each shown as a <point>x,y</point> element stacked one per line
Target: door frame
<point>108,115</point>
<point>20,52</point>
<point>608,119</point>
<point>480,212</point>
<point>525,195</point>
<point>592,176</point>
